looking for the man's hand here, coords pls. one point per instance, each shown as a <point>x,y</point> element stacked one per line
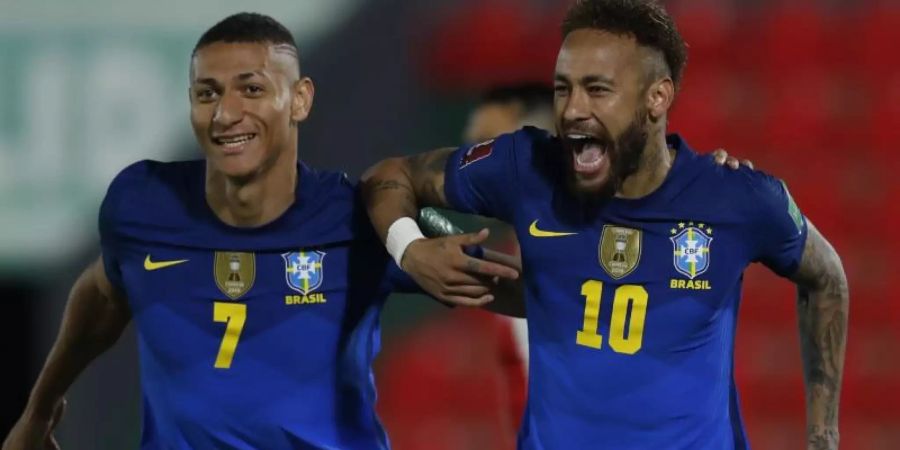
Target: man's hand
<point>32,433</point>
<point>446,272</point>
<point>721,157</point>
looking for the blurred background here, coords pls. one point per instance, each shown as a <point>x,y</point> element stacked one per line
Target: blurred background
<point>807,89</point>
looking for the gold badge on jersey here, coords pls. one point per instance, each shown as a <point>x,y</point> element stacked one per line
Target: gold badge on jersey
<point>619,250</point>
<point>235,273</point>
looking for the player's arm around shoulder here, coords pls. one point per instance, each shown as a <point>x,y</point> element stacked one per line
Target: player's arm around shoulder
<point>95,315</point>
<point>822,305</point>
<point>394,190</point>
<point>397,187</point>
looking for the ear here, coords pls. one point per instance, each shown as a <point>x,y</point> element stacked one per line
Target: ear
<point>301,102</point>
<point>660,96</point>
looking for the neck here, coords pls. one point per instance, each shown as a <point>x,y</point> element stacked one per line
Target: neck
<point>255,200</point>
<point>656,161</point>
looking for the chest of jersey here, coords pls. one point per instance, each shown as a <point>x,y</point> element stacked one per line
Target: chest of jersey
<point>630,285</point>
<point>224,309</point>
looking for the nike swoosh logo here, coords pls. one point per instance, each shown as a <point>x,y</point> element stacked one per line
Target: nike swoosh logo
<point>151,265</point>
<point>534,231</point>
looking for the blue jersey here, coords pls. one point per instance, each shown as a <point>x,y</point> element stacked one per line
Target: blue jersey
<point>257,338</point>
<point>632,304</point>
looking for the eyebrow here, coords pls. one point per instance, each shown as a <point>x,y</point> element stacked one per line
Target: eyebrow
<point>209,81</point>
<point>213,82</point>
<point>587,79</point>
<point>247,75</point>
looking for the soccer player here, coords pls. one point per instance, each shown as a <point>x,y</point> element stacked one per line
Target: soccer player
<point>254,281</point>
<point>633,249</point>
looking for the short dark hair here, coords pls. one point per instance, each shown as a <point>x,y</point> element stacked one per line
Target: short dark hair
<point>646,20</point>
<point>531,96</point>
<point>247,27</point>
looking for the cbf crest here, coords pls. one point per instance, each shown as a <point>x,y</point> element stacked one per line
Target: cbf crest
<point>619,250</point>
<point>691,249</point>
<point>304,270</point>
<point>235,273</point>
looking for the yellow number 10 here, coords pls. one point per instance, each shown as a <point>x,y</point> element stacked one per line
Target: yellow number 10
<point>234,315</point>
<point>628,295</point>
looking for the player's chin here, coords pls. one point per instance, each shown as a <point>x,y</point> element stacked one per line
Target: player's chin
<point>590,184</point>
<point>236,166</point>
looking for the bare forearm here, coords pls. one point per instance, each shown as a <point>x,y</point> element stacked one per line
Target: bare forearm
<point>398,187</point>
<point>823,338</point>
<point>92,322</point>
<point>388,193</point>
<point>822,308</point>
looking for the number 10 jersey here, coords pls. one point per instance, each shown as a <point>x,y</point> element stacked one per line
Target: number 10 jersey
<point>631,303</point>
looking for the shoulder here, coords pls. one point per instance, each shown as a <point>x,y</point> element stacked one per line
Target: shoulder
<point>523,140</point>
<point>141,187</point>
<point>538,154</point>
<point>744,184</point>
<point>330,201</point>
<point>149,174</point>
<point>331,178</point>
<point>534,135</point>
<point>324,186</point>
<point>534,139</point>
<point>749,192</point>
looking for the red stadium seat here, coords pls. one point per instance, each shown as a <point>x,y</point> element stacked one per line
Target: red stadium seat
<point>706,27</point>
<point>875,36</point>
<point>700,112</point>
<point>775,433</point>
<point>800,109</point>
<point>884,122</point>
<point>459,386</point>
<point>791,38</point>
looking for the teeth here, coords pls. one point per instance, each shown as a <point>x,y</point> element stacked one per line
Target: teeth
<point>236,140</point>
<point>577,136</point>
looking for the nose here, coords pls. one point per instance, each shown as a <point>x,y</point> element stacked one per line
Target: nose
<point>577,106</point>
<point>229,111</point>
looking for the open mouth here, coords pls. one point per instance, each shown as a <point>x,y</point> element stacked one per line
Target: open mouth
<point>234,142</point>
<point>589,154</point>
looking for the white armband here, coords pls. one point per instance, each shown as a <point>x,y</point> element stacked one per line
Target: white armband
<point>401,233</point>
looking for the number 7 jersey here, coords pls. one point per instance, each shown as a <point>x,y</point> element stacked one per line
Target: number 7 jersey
<point>256,338</point>
<point>631,304</point>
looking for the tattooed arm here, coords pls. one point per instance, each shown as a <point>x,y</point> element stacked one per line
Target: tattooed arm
<point>822,306</point>
<point>397,188</point>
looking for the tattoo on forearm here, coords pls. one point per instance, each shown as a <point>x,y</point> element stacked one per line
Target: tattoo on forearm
<point>432,162</point>
<point>822,301</point>
<point>428,168</point>
<point>823,334</point>
<point>375,185</point>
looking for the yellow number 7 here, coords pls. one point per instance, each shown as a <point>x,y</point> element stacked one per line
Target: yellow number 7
<point>234,315</point>
<point>626,295</point>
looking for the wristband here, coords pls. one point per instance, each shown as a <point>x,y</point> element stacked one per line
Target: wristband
<point>401,233</point>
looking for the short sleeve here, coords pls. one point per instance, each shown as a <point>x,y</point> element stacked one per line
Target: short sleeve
<point>109,241</point>
<point>779,228</point>
<point>483,179</point>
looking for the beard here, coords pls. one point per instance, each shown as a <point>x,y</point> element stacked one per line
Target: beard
<point>624,152</point>
<point>628,149</point>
